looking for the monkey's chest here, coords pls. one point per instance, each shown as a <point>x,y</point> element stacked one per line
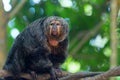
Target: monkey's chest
<point>54,51</point>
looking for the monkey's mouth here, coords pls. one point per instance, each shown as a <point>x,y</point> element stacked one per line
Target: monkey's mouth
<point>54,33</point>
<point>55,36</point>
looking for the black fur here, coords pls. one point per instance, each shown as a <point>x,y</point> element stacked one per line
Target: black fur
<point>30,51</point>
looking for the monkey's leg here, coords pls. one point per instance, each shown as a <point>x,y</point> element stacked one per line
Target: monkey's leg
<point>58,69</point>
<point>33,75</point>
<point>53,75</point>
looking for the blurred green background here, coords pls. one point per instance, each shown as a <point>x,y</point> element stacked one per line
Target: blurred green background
<point>89,21</point>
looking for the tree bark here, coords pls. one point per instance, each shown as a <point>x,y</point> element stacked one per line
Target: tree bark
<point>3,22</point>
<point>113,34</point>
<point>70,76</point>
<point>4,18</point>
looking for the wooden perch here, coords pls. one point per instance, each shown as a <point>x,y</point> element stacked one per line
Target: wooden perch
<point>106,75</point>
<point>63,76</point>
<point>4,73</point>
<point>72,76</point>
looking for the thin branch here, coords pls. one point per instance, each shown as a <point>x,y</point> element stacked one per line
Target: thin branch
<point>86,38</point>
<point>113,33</point>
<point>77,37</point>
<point>17,8</point>
<point>98,76</point>
<point>77,76</point>
<point>106,75</point>
<point>1,8</point>
<point>14,3</point>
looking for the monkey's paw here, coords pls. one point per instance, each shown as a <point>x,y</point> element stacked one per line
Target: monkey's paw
<point>53,78</point>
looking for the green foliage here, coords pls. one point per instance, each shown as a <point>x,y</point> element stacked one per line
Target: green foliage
<point>82,17</point>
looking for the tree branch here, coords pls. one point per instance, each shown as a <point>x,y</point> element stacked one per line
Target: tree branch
<point>79,36</point>
<point>68,76</point>
<point>106,75</point>
<point>63,76</point>
<point>90,34</point>
<point>17,8</point>
<point>14,3</point>
<point>80,75</point>
<point>113,33</point>
<point>2,9</point>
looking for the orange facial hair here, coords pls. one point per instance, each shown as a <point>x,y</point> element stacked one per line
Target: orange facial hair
<point>53,43</point>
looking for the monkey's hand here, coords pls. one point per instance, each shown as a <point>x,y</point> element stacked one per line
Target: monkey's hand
<point>58,72</point>
<point>53,78</point>
<point>53,74</point>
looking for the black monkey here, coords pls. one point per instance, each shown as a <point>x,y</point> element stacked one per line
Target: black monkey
<point>40,48</point>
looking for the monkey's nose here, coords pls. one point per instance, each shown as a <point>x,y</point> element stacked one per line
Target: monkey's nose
<point>54,33</point>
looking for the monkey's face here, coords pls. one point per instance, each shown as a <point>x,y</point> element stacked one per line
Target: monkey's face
<point>57,30</point>
<point>54,30</point>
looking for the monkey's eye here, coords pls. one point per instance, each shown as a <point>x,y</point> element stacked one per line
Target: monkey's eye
<point>51,24</point>
<point>58,24</point>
